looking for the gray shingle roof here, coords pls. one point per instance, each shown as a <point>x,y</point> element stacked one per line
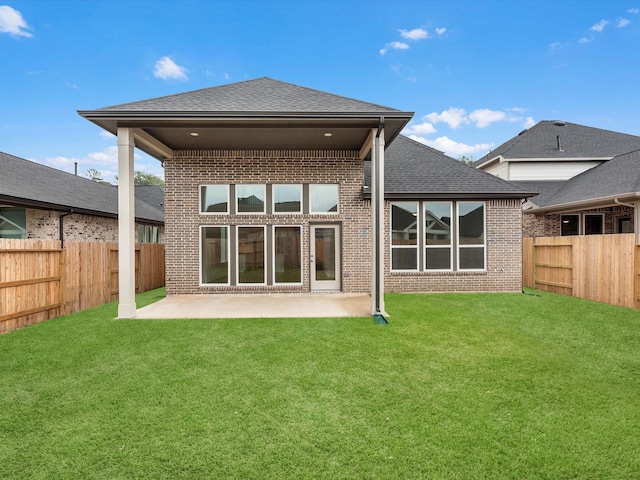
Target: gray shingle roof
<point>412,168</point>
<point>259,95</point>
<point>576,141</point>
<point>545,189</point>
<point>24,182</point>
<point>617,177</point>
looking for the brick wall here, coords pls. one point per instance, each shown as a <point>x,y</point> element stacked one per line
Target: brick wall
<point>45,225</point>
<point>504,258</point>
<point>190,169</point>
<point>541,225</point>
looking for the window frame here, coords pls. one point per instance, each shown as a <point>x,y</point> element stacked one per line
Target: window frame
<point>264,199</point>
<point>579,217</point>
<point>460,246</point>
<point>584,223</point>
<point>415,247</point>
<point>275,186</point>
<point>273,255</point>
<point>238,283</point>
<point>311,187</point>
<point>201,194</point>
<point>450,246</point>
<point>227,252</point>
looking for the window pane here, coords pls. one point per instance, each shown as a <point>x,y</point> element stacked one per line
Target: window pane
<point>214,198</point>
<point>323,198</point>
<point>593,225</point>
<point>13,222</point>
<point>287,198</point>
<point>471,223</point>
<point>438,258</point>
<point>404,223</point>
<point>437,221</point>
<point>287,255</point>
<point>215,265</point>
<point>251,198</point>
<point>569,225</point>
<point>404,258</point>
<point>250,254</point>
<point>140,233</point>
<point>472,258</point>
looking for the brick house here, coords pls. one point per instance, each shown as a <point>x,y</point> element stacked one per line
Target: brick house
<point>40,202</point>
<point>585,178</point>
<point>273,187</point>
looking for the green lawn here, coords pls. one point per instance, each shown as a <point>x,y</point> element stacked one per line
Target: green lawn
<point>463,386</point>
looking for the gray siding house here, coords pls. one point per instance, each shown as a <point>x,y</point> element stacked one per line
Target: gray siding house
<point>274,187</point>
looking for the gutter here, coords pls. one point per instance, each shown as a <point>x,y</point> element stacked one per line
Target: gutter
<point>61,227</point>
<point>583,204</point>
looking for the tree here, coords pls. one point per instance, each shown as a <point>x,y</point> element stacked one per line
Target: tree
<point>467,160</point>
<point>96,176</point>
<point>142,178</point>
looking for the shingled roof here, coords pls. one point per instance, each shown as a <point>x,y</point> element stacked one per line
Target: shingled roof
<point>576,142</point>
<point>617,178</point>
<point>259,95</point>
<point>31,184</point>
<point>415,170</point>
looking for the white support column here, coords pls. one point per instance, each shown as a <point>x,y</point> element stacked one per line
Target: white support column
<point>126,225</point>
<point>377,222</point>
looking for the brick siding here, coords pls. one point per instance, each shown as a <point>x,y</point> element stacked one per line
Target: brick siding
<point>541,225</point>
<point>188,170</point>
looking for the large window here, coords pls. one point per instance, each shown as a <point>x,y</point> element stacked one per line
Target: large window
<point>251,198</point>
<point>287,198</point>
<point>215,255</point>
<point>148,234</point>
<point>471,235</point>
<point>569,225</point>
<point>323,198</point>
<point>287,255</point>
<point>13,222</point>
<point>582,224</point>
<point>251,251</point>
<point>437,232</point>
<point>214,199</point>
<point>404,236</point>
<point>445,235</point>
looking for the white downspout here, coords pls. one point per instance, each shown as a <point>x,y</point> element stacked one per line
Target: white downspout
<point>126,225</point>
<point>378,224</point>
<point>636,220</point>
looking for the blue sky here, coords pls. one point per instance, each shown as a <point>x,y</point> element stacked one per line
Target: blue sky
<point>474,72</point>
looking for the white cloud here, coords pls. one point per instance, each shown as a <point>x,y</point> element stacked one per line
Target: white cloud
<point>424,128</point>
<point>441,31</point>
<point>584,40</point>
<point>415,34</point>
<point>12,22</point>
<point>599,27</point>
<point>454,117</point>
<point>484,117</point>
<point>633,10</point>
<point>452,148</point>
<point>394,46</point>
<point>529,122</point>
<point>623,22</point>
<point>166,69</point>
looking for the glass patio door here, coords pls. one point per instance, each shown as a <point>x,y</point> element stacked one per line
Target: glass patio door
<point>324,258</point>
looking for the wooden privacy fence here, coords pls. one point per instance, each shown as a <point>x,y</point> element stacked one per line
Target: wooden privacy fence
<point>604,268</point>
<point>39,280</point>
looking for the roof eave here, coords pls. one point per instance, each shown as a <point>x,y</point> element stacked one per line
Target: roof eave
<point>585,204</point>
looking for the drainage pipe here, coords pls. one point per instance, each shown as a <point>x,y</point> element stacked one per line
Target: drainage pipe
<point>378,218</point>
<point>61,227</point>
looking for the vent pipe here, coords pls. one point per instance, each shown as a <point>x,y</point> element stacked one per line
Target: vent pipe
<point>76,168</point>
<point>559,144</point>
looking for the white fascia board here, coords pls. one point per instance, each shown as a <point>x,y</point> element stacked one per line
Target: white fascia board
<point>585,204</point>
<point>557,159</point>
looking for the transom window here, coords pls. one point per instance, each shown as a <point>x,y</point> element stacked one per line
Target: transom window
<point>251,198</point>
<point>436,236</point>
<point>214,198</point>
<point>287,198</point>
<point>323,198</point>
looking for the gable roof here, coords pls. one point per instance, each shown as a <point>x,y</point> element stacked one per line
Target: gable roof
<point>576,142</point>
<point>615,179</point>
<point>33,185</point>
<point>415,170</point>
<point>255,114</point>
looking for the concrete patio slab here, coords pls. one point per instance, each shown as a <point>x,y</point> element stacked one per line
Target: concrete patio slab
<point>290,305</point>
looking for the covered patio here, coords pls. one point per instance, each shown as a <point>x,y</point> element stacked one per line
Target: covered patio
<point>289,305</point>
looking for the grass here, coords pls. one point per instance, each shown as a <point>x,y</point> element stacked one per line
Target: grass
<point>463,386</point>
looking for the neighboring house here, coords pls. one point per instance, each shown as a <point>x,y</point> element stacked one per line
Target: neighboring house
<point>585,178</point>
<point>40,202</point>
<point>273,187</point>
